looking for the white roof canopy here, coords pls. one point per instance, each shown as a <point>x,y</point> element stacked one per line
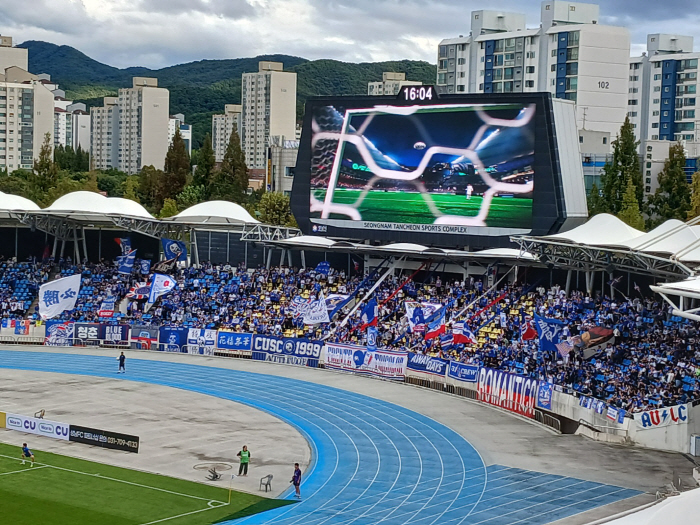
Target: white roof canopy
<point>90,205</point>
<point>214,213</point>
<point>600,230</point>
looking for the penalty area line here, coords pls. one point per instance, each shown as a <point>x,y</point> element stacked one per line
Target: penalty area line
<point>209,507</point>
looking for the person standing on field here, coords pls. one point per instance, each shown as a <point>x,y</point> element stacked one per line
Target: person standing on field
<point>122,362</point>
<point>296,480</point>
<point>245,459</point>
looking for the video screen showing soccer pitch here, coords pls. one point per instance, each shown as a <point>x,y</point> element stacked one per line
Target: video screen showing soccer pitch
<point>441,168</point>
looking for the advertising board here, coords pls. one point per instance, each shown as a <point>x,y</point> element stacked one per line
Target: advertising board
<point>462,372</point>
<point>104,438</point>
<point>39,427</point>
<point>509,391</point>
<point>287,350</point>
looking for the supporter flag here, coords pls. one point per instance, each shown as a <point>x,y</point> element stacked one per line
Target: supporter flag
<point>372,338</point>
<point>316,312</point>
<point>564,348</point>
<point>416,319</point>
<point>126,262</point>
<point>166,266</point>
<point>298,306</point>
<point>324,267</point>
<point>637,288</point>
<point>446,341</point>
<point>436,327</point>
<point>22,327</point>
<point>124,244</point>
<point>461,335</point>
<point>527,330</point>
<point>612,413</point>
<point>139,291</point>
<point>145,266</point>
<point>174,249</point>
<point>107,307</point>
<point>58,296</point>
<point>613,282</point>
<point>370,314</point>
<point>549,332</point>
<point>357,266</point>
<point>160,285</point>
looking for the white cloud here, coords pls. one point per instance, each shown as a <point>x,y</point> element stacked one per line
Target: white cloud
<point>157,33</point>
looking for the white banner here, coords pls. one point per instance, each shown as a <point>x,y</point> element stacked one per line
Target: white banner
<point>40,427</point>
<point>316,312</point>
<point>414,314</point>
<point>357,359</point>
<point>161,285</point>
<point>662,417</point>
<point>58,296</point>
<point>201,341</point>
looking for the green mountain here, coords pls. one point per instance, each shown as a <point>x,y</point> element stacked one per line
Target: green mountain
<point>200,89</point>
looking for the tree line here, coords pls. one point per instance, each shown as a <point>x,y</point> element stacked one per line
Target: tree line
<point>621,191</point>
<point>183,182</point>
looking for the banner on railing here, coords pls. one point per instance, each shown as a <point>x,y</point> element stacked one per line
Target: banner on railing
<point>234,340</point>
<point>115,334</point>
<point>172,338</point>
<point>144,337</point>
<point>22,327</point>
<point>509,391</point>
<point>544,395</point>
<point>288,350</point>
<point>104,438</point>
<point>59,333</point>
<point>357,359</point>
<point>662,417</point>
<point>40,427</point>
<point>426,364</point>
<point>201,341</point>
<point>462,372</point>
<point>88,333</point>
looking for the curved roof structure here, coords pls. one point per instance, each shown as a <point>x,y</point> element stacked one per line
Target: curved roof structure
<point>214,212</point>
<point>87,202</point>
<point>600,230</point>
<point>10,202</point>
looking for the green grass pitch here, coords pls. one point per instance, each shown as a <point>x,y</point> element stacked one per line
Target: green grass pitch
<point>65,491</point>
<point>411,208</point>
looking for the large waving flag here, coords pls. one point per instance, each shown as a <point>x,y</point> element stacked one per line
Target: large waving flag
<point>549,332</point>
<point>139,291</point>
<point>415,316</point>
<point>316,312</point>
<point>370,314</point>
<point>124,244</point>
<point>161,285</point>
<point>436,327</point>
<point>527,330</point>
<point>58,296</point>
<point>126,262</point>
<point>174,250</point>
<point>461,335</point>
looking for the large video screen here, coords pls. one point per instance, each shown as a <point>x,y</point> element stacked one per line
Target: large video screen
<point>376,168</point>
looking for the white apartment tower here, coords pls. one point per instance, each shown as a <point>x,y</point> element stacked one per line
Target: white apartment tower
<point>12,56</point>
<point>104,136</point>
<point>570,55</point>
<point>391,84</point>
<point>176,122</point>
<point>222,126</point>
<point>26,116</point>
<point>269,100</point>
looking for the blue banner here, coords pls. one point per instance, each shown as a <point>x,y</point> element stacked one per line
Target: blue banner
<point>145,266</point>
<point>544,395</point>
<point>549,332</point>
<point>117,334</point>
<point>462,372</point>
<point>175,250</point>
<point>288,350</point>
<point>201,341</point>
<point>427,364</point>
<point>234,340</point>
<point>172,339</point>
<point>88,333</point>
<point>372,334</point>
<point>59,333</point>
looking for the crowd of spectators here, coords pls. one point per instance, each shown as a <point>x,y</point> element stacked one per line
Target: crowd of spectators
<point>652,361</point>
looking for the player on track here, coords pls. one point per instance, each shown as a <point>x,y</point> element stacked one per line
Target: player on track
<point>27,454</point>
<point>296,480</point>
<point>122,362</point>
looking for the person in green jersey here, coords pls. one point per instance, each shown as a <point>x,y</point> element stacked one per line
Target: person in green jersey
<point>245,459</point>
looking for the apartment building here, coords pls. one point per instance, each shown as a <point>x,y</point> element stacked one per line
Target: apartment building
<point>222,126</point>
<point>71,123</point>
<point>283,160</point>
<point>131,131</point>
<point>26,116</point>
<point>11,56</point>
<point>178,122</point>
<point>390,84</point>
<point>268,99</point>
<point>569,55</point>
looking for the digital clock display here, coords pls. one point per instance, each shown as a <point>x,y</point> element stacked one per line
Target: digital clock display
<point>418,93</point>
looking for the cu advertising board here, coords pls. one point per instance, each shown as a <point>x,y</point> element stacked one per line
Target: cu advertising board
<point>509,391</point>
<point>40,427</point>
<point>426,364</point>
<point>287,350</point>
<point>357,359</point>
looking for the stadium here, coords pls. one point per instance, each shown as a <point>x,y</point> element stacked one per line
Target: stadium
<point>446,369</point>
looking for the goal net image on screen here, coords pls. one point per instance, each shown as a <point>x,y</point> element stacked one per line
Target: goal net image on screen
<point>460,164</point>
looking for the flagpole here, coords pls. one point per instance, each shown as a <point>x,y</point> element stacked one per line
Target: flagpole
<point>482,295</point>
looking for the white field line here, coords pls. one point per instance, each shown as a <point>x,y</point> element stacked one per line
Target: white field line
<point>23,470</point>
<point>209,507</point>
<point>121,481</point>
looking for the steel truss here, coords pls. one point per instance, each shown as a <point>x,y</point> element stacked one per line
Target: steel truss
<point>685,298</point>
<point>265,232</point>
<point>591,258</point>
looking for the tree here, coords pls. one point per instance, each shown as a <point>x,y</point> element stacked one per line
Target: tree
<point>81,160</point>
<point>177,168</point>
<point>231,181</point>
<point>629,212</point>
<point>130,188</point>
<point>672,198</point>
<point>205,163</point>
<point>45,169</point>
<point>274,209</point>
<point>596,203</point>
<point>169,209</point>
<point>624,165</point>
<point>190,196</point>
<point>150,181</point>
<point>695,196</point>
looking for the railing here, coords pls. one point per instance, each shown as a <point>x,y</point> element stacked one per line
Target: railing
<point>602,429</point>
<point>548,420</point>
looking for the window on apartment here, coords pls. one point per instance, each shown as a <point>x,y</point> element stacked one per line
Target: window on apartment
<point>530,54</point>
<point>572,8</point>
<point>580,139</point>
<point>631,114</point>
<point>654,113</point>
<point>655,125</point>
<point>656,101</point>
<point>529,83</point>
<point>634,90</point>
<point>476,17</point>
<point>461,61</point>
<point>632,102</point>
<point>529,69</point>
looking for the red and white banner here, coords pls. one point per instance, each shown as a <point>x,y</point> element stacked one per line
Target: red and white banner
<point>512,392</point>
<point>360,360</point>
<point>662,417</point>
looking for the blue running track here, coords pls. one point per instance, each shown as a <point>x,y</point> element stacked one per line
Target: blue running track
<point>372,462</point>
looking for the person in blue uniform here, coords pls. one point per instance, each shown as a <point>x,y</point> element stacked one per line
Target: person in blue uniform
<point>27,454</point>
<point>122,362</point>
<point>296,480</point>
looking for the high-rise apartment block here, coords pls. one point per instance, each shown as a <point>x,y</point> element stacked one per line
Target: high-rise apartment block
<point>269,100</point>
<point>26,116</point>
<point>222,126</point>
<point>391,84</point>
<point>283,161</point>
<point>12,56</point>
<point>131,131</point>
<point>178,122</point>
<point>570,55</point>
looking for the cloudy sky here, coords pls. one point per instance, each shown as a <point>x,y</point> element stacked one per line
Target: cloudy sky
<point>157,33</point>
